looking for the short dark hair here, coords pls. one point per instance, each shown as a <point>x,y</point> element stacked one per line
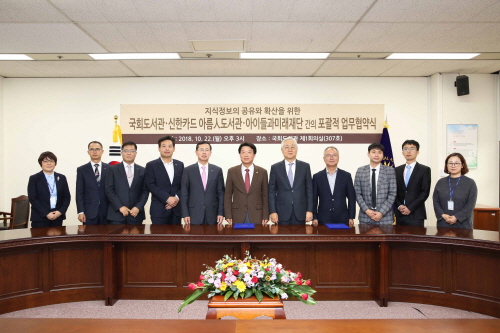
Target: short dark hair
<point>247,144</point>
<point>129,143</point>
<point>91,142</point>
<point>411,142</point>
<point>165,138</point>
<point>464,169</point>
<point>376,145</point>
<point>203,143</point>
<point>47,154</point>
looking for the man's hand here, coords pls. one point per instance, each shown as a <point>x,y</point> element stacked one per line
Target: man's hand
<point>172,201</point>
<point>264,222</point>
<point>220,219</point>
<point>351,223</point>
<point>309,216</point>
<point>134,211</point>
<point>82,218</point>
<point>370,213</point>
<point>230,221</point>
<point>377,216</point>
<point>315,222</point>
<point>187,220</point>
<point>274,218</point>
<point>452,220</point>
<point>124,210</point>
<point>54,215</point>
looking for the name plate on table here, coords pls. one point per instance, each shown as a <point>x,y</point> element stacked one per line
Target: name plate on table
<point>337,226</point>
<point>244,226</point>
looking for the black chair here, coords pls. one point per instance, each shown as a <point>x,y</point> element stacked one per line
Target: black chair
<point>19,214</point>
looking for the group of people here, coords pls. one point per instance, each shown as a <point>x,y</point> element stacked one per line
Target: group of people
<point>197,193</point>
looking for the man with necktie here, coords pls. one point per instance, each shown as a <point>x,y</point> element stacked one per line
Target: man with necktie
<point>91,201</point>
<point>126,189</point>
<point>202,189</point>
<point>290,188</point>
<point>414,185</point>
<point>375,187</point>
<point>245,197</point>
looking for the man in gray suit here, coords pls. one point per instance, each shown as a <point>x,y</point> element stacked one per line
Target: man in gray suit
<point>290,187</point>
<point>125,189</point>
<point>375,186</point>
<point>202,189</point>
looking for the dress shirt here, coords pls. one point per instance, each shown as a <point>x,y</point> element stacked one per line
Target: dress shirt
<point>51,183</point>
<point>412,166</point>
<point>170,170</point>
<point>201,170</point>
<point>125,165</point>
<point>377,172</point>
<point>331,179</point>
<point>294,165</point>
<point>243,172</point>
<point>92,164</point>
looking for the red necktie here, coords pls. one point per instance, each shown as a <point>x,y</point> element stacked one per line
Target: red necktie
<point>247,180</point>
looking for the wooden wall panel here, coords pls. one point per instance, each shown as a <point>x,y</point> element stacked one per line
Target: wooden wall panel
<point>28,279</point>
<point>296,257</point>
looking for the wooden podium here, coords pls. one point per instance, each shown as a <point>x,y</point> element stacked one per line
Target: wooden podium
<point>247,308</point>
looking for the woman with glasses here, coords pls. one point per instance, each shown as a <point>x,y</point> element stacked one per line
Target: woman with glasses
<point>455,196</point>
<point>48,194</point>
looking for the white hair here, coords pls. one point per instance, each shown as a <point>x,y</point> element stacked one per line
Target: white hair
<point>288,138</point>
<point>330,147</point>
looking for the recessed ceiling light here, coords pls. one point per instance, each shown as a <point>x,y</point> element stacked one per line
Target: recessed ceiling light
<point>134,56</point>
<point>284,55</point>
<point>433,56</point>
<point>14,57</point>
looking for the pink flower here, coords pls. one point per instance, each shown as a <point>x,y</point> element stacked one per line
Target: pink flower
<point>299,275</point>
<point>278,270</point>
<point>236,272</point>
<point>255,279</point>
<point>200,284</point>
<point>192,286</point>
<point>304,296</point>
<point>201,277</point>
<point>308,282</point>
<point>298,281</point>
<point>268,269</point>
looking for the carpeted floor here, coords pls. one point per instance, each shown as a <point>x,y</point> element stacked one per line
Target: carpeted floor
<point>128,309</point>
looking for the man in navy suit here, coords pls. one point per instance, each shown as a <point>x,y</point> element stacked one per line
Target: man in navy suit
<point>290,187</point>
<point>91,201</point>
<point>414,184</point>
<point>126,190</point>
<point>331,187</point>
<point>163,180</point>
<point>202,189</point>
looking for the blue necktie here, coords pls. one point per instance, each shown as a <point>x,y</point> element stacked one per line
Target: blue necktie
<point>408,174</point>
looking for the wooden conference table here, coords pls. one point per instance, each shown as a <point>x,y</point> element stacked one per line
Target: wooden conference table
<point>442,266</point>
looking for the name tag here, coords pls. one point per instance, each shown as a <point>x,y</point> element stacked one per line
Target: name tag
<point>451,205</point>
<point>53,201</point>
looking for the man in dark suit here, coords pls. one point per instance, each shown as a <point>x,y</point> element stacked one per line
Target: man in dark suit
<point>126,190</point>
<point>202,189</point>
<point>91,201</point>
<point>375,186</point>
<point>245,197</point>
<point>163,180</point>
<point>290,187</point>
<point>331,187</point>
<point>414,184</point>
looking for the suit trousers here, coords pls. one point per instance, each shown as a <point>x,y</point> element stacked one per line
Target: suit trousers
<point>99,219</point>
<point>293,220</point>
<point>126,221</point>
<point>48,223</point>
<point>407,220</point>
<point>172,219</point>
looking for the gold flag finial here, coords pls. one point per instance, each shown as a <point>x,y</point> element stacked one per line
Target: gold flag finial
<point>117,132</point>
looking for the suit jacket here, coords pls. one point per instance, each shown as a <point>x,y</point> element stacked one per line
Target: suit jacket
<point>198,203</point>
<point>90,196</point>
<point>419,187</point>
<point>120,194</point>
<point>161,187</point>
<point>39,196</point>
<point>332,208</point>
<point>386,193</point>
<point>282,195</point>
<point>237,201</point>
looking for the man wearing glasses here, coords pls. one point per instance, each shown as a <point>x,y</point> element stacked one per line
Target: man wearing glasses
<point>290,188</point>
<point>126,189</point>
<point>414,184</point>
<point>91,200</point>
<point>202,189</point>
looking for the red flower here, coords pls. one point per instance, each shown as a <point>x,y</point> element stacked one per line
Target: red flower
<point>278,270</point>
<point>236,273</point>
<point>304,296</point>
<point>308,282</point>
<point>200,284</point>
<point>201,277</point>
<point>268,269</point>
<point>298,281</point>
<point>192,286</point>
<point>299,275</point>
<point>223,277</point>
<point>255,279</point>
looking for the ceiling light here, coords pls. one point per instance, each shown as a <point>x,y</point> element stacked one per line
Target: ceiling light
<point>134,56</point>
<point>14,57</point>
<point>433,56</point>
<point>284,55</point>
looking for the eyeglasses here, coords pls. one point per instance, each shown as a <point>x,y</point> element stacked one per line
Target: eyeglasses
<point>409,149</point>
<point>129,151</point>
<point>203,150</point>
<point>330,155</point>
<point>290,147</point>
<point>48,161</point>
<point>454,164</point>
<point>95,150</point>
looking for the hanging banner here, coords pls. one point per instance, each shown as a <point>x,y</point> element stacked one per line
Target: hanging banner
<point>258,123</point>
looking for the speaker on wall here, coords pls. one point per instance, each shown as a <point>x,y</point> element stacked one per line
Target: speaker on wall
<point>462,84</point>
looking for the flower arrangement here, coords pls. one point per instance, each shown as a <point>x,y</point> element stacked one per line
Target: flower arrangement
<point>250,277</point>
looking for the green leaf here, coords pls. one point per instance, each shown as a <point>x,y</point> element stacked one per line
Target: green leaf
<point>258,294</point>
<point>227,295</point>
<point>269,293</point>
<point>235,295</point>
<point>193,297</point>
<point>248,293</point>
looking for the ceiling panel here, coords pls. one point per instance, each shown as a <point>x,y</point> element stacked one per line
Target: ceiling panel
<point>68,69</point>
<point>45,38</point>
<point>429,67</point>
<point>328,10</point>
<point>176,67</point>
<point>355,67</point>
<point>195,10</point>
<point>107,35</point>
<point>201,30</point>
<point>271,11</point>
<point>233,10</point>
<point>490,14</point>
<point>140,36</point>
<point>29,11</point>
<point>172,36</point>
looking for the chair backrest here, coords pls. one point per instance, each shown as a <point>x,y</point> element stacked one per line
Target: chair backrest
<point>20,211</point>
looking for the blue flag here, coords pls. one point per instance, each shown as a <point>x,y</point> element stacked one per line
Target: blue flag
<point>386,142</point>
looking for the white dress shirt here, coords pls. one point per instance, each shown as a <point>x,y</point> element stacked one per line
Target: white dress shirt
<point>377,172</point>
<point>243,172</point>
<point>170,170</point>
